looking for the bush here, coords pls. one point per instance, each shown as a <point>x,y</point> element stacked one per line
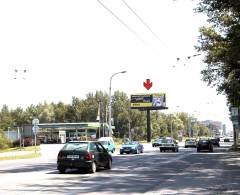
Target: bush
<point>16,143</point>
<point>4,143</point>
<point>28,141</point>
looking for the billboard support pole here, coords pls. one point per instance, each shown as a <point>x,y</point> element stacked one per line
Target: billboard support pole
<point>148,126</point>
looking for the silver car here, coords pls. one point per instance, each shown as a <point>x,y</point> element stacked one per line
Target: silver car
<point>168,143</point>
<point>190,143</point>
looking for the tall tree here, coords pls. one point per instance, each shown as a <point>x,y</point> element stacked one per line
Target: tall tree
<point>220,42</point>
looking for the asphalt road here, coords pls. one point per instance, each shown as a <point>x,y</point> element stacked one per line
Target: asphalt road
<point>152,172</point>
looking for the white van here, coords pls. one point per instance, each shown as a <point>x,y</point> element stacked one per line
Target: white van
<point>110,139</point>
<point>111,145</point>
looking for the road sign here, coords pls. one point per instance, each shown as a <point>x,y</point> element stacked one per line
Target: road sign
<point>35,121</point>
<point>35,129</point>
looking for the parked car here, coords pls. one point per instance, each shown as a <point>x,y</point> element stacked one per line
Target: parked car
<point>156,142</point>
<point>191,142</point>
<point>215,142</point>
<point>226,139</point>
<point>204,144</point>
<point>110,147</point>
<point>88,155</point>
<point>168,143</point>
<point>133,147</point>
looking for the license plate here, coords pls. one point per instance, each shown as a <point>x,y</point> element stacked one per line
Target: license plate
<point>73,156</point>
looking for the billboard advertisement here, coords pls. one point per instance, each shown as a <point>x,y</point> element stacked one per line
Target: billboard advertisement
<point>151,101</point>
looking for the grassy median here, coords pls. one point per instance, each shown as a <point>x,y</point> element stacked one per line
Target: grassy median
<point>24,156</point>
<point>29,148</point>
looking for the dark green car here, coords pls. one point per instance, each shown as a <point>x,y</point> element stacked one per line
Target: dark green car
<point>87,155</point>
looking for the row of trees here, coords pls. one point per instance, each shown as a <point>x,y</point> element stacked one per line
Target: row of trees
<point>86,110</point>
<point>220,41</point>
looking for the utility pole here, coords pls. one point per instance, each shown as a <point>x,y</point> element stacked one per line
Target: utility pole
<point>149,135</point>
<point>110,103</point>
<point>171,125</point>
<point>129,129</point>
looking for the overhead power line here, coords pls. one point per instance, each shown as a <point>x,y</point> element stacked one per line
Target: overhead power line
<point>143,22</point>
<point>122,22</point>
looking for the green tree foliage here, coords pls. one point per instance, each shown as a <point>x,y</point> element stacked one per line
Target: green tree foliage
<point>4,142</point>
<point>86,110</point>
<point>220,41</point>
<point>60,110</point>
<point>121,112</point>
<point>5,118</point>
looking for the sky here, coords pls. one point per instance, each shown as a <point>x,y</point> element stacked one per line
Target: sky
<point>71,48</point>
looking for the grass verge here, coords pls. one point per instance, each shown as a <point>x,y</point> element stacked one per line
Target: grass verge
<point>29,148</point>
<point>25,156</point>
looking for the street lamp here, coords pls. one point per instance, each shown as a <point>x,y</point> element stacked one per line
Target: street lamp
<point>110,105</point>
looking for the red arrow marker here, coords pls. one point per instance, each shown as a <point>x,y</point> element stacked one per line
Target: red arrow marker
<point>147,84</point>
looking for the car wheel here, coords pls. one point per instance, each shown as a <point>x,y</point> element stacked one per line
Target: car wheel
<point>121,153</point>
<point>174,150</point>
<point>93,168</point>
<point>109,164</point>
<point>198,150</point>
<point>61,170</point>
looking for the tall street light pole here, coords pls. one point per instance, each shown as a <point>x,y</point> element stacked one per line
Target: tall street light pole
<point>110,103</point>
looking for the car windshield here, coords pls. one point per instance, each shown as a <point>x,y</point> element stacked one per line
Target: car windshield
<point>104,142</point>
<point>76,146</point>
<point>131,143</point>
<point>166,141</point>
<point>203,141</point>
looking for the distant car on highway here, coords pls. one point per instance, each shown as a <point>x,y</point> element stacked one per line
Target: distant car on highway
<point>168,143</point>
<point>133,147</point>
<point>110,143</point>
<point>226,139</point>
<point>215,142</point>
<point>191,142</point>
<point>204,144</point>
<point>156,142</point>
<point>110,147</point>
<point>88,155</point>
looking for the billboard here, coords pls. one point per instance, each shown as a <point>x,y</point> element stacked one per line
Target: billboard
<point>148,101</point>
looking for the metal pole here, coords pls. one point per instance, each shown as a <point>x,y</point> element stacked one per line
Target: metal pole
<point>35,139</point>
<point>99,119</point>
<point>19,137</point>
<point>129,129</point>
<point>22,137</point>
<point>110,104</point>
<point>8,132</point>
<point>148,127</point>
<point>109,111</point>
